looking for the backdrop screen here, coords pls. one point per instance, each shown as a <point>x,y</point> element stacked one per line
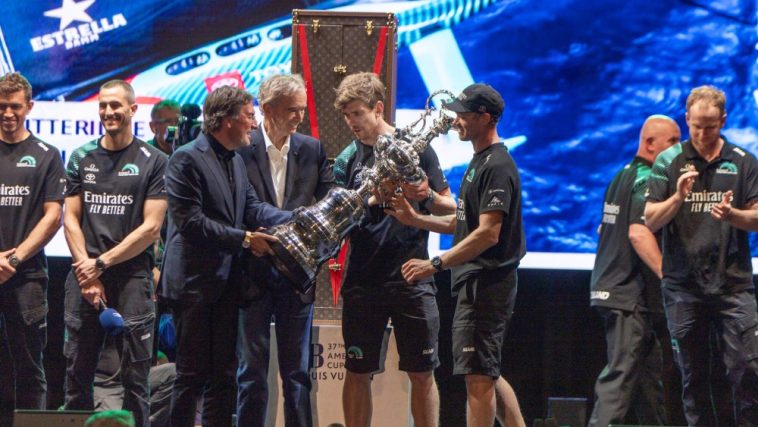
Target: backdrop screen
<point>578,76</point>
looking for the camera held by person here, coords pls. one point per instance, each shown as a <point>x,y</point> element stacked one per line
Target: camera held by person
<point>188,128</point>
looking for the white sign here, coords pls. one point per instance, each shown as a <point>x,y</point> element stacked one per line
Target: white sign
<point>68,125</point>
<point>390,389</point>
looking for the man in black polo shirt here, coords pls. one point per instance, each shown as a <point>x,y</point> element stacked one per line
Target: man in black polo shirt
<point>488,245</point>
<point>704,195</point>
<point>625,290</point>
<point>115,203</point>
<point>31,195</point>
<point>373,288</point>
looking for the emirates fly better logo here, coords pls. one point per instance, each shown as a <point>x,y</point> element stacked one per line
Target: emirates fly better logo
<point>86,31</point>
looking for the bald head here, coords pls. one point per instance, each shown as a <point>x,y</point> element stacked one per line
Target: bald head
<point>657,134</point>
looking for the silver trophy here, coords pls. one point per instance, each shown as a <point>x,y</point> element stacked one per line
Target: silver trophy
<point>314,233</point>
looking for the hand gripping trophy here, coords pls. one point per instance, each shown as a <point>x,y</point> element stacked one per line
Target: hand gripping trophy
<point>315,232</point>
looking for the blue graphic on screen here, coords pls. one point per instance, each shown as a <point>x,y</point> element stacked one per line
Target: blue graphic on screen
<point>578,76</point>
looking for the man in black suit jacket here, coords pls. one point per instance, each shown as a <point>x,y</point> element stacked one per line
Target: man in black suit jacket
<point>288,170</point>
<point>212,210</point>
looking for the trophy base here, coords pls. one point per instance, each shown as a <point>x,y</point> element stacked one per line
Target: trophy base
<point>301,278</point>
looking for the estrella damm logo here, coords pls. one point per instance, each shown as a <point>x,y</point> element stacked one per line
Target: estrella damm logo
<point>727,168</point>
<point>354,352</point>
<point>129,169</point>
<point>75,26</point>
<point>27,162</point>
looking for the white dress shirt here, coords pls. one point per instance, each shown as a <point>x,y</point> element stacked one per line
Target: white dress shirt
<point>277,161</point>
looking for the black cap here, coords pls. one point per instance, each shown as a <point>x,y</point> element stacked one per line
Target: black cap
<point>478,98</point>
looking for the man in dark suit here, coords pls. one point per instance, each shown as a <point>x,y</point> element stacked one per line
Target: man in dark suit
<point>287,170</point>
<point>212,210</point>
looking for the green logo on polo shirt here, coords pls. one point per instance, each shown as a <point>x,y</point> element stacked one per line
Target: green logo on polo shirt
<point>470,176</point>
<point>27,162</point>
<point>727,168</point>
<point>129,169</point>
<point>354,352</point>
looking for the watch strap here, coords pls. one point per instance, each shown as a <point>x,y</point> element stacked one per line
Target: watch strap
<point>437,263</point>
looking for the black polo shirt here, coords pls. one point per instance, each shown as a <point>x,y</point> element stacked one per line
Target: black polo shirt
<point>114,186</point>
<point>31,173</point>
<point>620,279</point>
<point>491,183</point>
<point>701,253</point>
<point>225,158</point>
<point>380,244</point>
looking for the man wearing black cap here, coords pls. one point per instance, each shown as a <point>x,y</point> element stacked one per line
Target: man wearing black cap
<point>488,245</point>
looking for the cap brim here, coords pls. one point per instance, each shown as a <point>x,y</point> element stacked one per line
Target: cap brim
<point>456,106</point>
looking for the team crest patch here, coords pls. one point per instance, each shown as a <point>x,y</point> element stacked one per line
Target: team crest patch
<point>354,352</point>
<point>727,168</point>
<point>129,169</point>
<point>27,162</point>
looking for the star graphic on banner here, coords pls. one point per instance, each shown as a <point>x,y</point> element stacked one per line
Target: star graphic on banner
<point>71,11</point>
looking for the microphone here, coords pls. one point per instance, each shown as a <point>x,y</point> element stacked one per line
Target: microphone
<point>111,320</point>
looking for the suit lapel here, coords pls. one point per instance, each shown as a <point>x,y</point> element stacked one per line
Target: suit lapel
<point>240,176</point>
<point>214,165</point>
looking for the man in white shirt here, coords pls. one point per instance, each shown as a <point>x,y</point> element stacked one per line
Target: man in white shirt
<point>288,170</point>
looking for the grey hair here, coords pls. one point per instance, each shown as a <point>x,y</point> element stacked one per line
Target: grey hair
<point>279,85</point>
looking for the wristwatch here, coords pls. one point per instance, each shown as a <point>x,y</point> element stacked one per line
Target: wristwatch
<point>429,197</point>
<point>14,261</point>
<point>100,264</point>
<point>248,240</point>
<point>437,263</point>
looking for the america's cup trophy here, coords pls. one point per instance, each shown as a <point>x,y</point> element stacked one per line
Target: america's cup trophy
<point>315,232</point>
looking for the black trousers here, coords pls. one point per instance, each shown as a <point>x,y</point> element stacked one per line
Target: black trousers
<point>690,316</point>
<point>132,297</point>
<point>23,336</point>
<point>206,362</point>
<point>631,380</point>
